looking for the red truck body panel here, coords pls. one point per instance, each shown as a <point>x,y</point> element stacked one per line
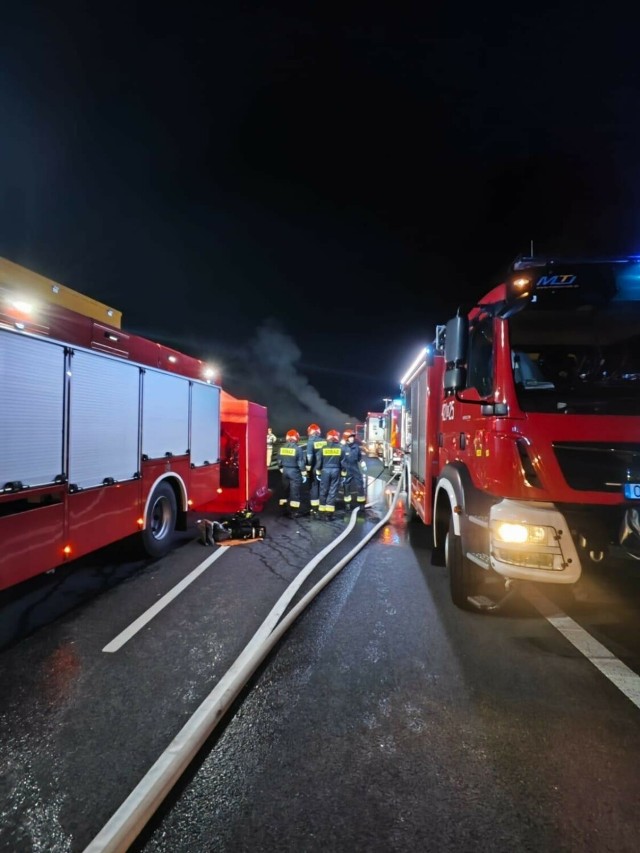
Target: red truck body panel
<point>45,519</point>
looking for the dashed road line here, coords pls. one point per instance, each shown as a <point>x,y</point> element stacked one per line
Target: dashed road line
<point>124,636</point>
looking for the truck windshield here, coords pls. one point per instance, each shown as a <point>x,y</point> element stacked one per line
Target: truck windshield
<point>585,361</point>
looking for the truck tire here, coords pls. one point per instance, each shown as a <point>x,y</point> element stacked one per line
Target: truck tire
<point>463,576</point>
<point>160,521</point>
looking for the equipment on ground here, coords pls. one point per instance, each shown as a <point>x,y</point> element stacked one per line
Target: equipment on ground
<point>241,525</point>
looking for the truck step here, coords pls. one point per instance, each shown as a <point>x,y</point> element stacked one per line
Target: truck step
<point>479,559</point>
<point>482,602</point>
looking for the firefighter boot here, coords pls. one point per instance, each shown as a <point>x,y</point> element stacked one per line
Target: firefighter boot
<point>206,531</point>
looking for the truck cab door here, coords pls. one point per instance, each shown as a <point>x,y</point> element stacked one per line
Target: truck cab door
<point>480,386</point>
<point>465,428</point>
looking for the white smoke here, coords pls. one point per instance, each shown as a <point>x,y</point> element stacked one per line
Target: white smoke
<point>267,373</point>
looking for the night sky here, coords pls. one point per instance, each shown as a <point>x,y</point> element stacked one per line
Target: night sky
<point>299,192</point>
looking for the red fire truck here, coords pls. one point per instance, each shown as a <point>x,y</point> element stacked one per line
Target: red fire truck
<point>374,434</point>
<point>105,433</point>
<point>523,422</point>
<point>392,425</point>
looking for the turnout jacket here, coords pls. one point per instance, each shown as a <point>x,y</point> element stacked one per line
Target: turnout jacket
<point>331,457</point>
<point>291,456</point>
<point>314,446</point>
<point>354,456</point>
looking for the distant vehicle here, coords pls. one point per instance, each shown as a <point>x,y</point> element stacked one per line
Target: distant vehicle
<point>392,448</point>
<point>522,424</point>
<point>374,434</point>
<point>105,433</point>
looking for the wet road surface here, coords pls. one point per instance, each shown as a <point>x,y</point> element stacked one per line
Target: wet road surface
<point>385,719</point>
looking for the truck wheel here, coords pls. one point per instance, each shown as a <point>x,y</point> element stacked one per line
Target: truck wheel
<point>160,521</point>
<point>462,572</point>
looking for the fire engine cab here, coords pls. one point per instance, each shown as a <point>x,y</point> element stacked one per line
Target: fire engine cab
<point>523,428</point>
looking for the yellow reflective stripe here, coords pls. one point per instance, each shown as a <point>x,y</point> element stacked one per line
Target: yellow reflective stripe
<point>331,451</point>
<point>287,451</point>
<point>318,444</point>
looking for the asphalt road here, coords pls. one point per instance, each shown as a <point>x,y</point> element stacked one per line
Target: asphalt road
<point>384,720</point>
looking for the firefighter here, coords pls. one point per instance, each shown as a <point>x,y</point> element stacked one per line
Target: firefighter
<point>271,441</point>
<point>355,467</point>
<point>315,443</point>
<point>330,470</point>
<point>291,464</point>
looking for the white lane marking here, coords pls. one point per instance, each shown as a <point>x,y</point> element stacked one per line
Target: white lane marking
<point>618,673</point>
<point>124,636</point>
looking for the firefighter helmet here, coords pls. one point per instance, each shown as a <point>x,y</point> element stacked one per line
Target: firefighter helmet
<point>347,434</point>
<point>293,435</point>
<point>313,429</point>
<point>333,435</point>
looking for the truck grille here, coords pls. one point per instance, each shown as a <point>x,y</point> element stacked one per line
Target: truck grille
<point>598,467</point>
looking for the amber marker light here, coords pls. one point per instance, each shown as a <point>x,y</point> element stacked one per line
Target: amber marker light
<point>140,522</point>
<point>66,551</point>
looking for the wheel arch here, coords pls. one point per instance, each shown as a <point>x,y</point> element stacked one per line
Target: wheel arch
<point>455,492</point>
<point>179,489</point>
<point>449,500</point>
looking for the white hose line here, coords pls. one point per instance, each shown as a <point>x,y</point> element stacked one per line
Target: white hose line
<point>128,821</point>
<point>290,618</point>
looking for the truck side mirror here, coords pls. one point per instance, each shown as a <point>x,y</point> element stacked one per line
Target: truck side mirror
<point>455,353</point>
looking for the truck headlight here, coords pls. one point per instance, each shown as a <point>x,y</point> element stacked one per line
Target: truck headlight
<point>531,540</point>
<point>533,546</point>
<point>510,533</point>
